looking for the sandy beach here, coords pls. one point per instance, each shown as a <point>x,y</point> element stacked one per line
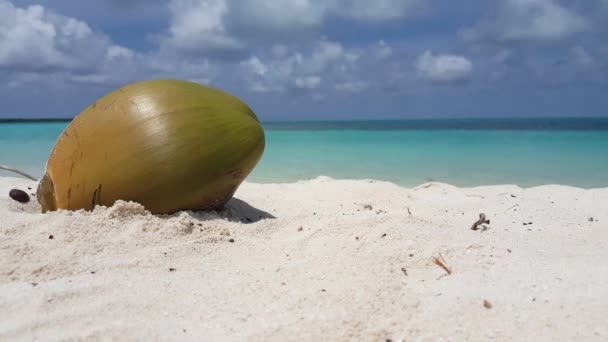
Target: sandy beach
<point>315,260</point>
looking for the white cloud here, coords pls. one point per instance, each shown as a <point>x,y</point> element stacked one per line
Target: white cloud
<point>98,79</point>
<point>117,52</point>
<point>352,86</point>
<point>279,50</point>
<point>383,50</point>
<point>529,20</point>
<point>276,74</point>
<point>443,67</point>
<point>582,56</point>
<point>277,15</point>
<point>198,26</point>
<point>308,82</point>
<point>207,27</point>
<point>256,66</point>
<point>376,10</point>
<point>34,39</point>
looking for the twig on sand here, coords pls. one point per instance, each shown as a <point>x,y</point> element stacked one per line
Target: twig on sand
<point>482,220</point>
<point>404,270</point>
<point>440,263</point>
<point>513,206</point>
<point>18,172</point>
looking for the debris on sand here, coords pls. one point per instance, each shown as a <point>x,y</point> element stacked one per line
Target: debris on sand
<point>441,263</point>
<point>482,220</point>
<point>19,195</point>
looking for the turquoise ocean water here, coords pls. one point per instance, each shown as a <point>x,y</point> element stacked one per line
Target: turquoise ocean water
<point>525,152</point>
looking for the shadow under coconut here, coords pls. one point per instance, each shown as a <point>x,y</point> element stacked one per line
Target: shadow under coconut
<point>241,211</point>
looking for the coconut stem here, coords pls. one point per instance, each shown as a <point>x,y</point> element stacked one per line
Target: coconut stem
<point>17,171</point>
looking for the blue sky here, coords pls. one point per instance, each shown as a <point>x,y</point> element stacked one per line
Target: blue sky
<point>313,59</point>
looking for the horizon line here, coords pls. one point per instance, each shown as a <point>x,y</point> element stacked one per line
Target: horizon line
<point>42,120</point>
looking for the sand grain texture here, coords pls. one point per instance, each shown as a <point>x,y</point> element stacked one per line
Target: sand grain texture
<point>361,267</point>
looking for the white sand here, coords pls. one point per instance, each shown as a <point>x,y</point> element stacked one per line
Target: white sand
<point>106,275</point>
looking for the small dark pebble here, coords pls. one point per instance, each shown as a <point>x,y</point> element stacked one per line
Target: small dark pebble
<point>171,269</point>
<point>34,284</point>
<point>525,224</point>
<point>231,240</point>
<point>32,194</point>
<point>591,219</point>
<point>29,188</point>
<point>411,255</point>
<point>19,195</point>
<point>529,222</point>
<point>356,237</point>
<point>534,299</point>
<point>323,290</point>
<point>383,235</point>
<point>513,196</point>
<point>508,250</point>
<point>93,272</point>
<point>51,237</point>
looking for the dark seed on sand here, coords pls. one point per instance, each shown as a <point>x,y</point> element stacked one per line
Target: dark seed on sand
<point>383,235</point>
<point>34,284</point>
<point>171,269</point>
<point>19,195</point>
<point>231,240</point>
<point>51,237</point>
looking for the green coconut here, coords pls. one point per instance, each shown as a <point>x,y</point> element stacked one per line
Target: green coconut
<point>169,145</point>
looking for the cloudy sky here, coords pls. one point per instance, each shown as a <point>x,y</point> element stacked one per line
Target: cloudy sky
<point>314,59</point>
